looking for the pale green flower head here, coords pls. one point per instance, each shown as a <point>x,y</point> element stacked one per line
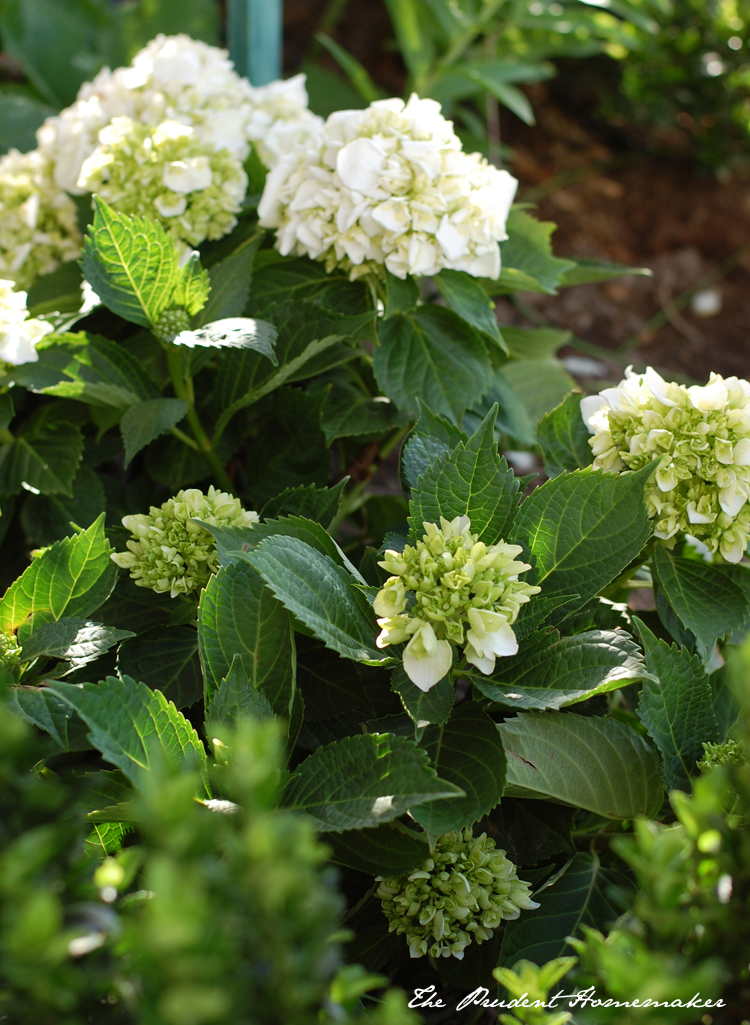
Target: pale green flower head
<point>172,553</point>
<point>457,896</point>
<point>166,173</point>
<point>700,437</point>
<point>721,754</point>
<point>38,221</point>
<point>451,589</point>
<point>10,650</point>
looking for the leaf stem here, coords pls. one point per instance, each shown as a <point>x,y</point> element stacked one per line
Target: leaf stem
<point>182,383</point>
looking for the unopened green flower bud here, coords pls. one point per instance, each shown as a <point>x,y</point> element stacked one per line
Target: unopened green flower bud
<point>721,754</point>
<point>170,323</point>
<point>458,895</point>
<point>10,650</point>
<point>465,593</point>
<point>169,550</point>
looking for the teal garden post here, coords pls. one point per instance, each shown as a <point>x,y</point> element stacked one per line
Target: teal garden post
<point>254,29</point>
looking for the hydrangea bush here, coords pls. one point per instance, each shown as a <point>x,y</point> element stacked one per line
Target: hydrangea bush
<point>468,704</point>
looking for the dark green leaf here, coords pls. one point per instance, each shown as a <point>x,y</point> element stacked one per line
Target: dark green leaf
<point>468,752</point>
<point>432,439</point>
<point>527,261</point>
<point>541,384</point>
<point>21,113</point>
<point>474,481</point>
<point>348,412</point>
<point>44,456</point>
<point>535,343</point>
<point>585,271</point>
<point>330,684</point>
<point>48,518</point>
<point>676,707</point>
<point>165,660</point>
<point>706,600</point>
<point>148,420</point>
<point>601,765</point>
<point>432,355</point>
<point>230,283</point>
<point>424,707</point>
<point>531,831</point>
<point>321,594</point>
<point>401,295</point>
<point>363,781</point>
<point>469,300</point>
<point>553,672</point>
<point>319,504</point>
<point>580,897</point>
<point>564,438</point>
<point>88,368</point>
<point>237,698</point>
<point>41,708</point>
<point>131,725</point>
<point>237,615</point>
<point>388,850</point>
<point>131,263</point>
<point>582,529</point>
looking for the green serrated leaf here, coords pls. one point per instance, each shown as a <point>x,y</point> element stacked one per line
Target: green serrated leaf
<point>468,299</point>
<point>230,282</point>
<point>535,343</point>
<point>563,438</point>
<point>676,707</point>
<point>433,356</point>
<point>165,660</point>
<point>193,286</point>
<point>38,706</point>
<point>237,698</point>
<point>554,672</point>
<point>541,384</point>
<point>582,529</point>
<point>145,421</point>
<point>319,504</point>
<point>88,368</point>
<point>132,725</point>
<point>48,518</point>
<point>43,457</point>
<point>474,481</point>
<point>600,765</point>
<point>527,261</point>
<point>388,850</point>
<point>432,439</point>
<point>131,263</point>
<point>321,594</point>
<point>72,639</point>
<point>349,412</point>
<point>330,685</point>
<point>401,295</point>
<point>425,708</point>
<point>579,897</point>
<point>468,752</point>
<point>363,781</point>
<point>238,616</point>
<point>71,578</point>
<point>706,600</point>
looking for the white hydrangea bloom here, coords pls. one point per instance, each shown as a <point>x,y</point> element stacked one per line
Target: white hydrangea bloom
<point>176,78</point>
<point>18,335</point>
<point>38,222</point>
<point>166,174</point>
<point>390,185</point>
<point>700,437</point>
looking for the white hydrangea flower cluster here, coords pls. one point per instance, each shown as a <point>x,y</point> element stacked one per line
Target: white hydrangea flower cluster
<point>164,173</point>
<point>460,894</point>
<point>176,78</point>
<point>18,335</point>
<point>451,582</point>
<point>390,186</point>
<point>172,553</point>
<point>38,222</point>
<point>700,436</point>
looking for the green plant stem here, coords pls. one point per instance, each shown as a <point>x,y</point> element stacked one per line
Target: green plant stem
<point>6,438</point>
<point>183,388</point>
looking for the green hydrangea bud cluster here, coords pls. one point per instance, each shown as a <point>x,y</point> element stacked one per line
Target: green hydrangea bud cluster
<point>700,437</point>
<point>10,650</point>
<point>459,894</point>
<point>170,323</point>
<point>721,754</point>
<point>38,221</point>
<point>451,588</point>
<point>164,172</point>
<point>170,551</point>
